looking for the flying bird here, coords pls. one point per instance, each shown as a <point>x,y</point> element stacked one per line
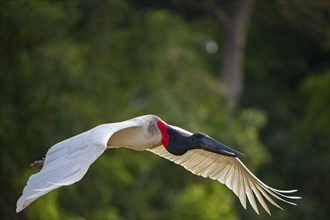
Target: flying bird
<point>68,161</point>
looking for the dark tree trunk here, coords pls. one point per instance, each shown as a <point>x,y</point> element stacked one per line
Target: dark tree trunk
<point>232,72</point>
<point>235,28</point>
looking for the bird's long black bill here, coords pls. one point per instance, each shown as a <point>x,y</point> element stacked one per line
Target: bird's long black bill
<point>209,144</point>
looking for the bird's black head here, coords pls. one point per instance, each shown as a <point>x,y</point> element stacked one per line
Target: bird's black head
<point>205,142</point>
<point>178,144</point>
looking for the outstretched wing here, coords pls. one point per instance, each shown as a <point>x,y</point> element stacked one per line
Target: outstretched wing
<point>68,161</point>
<point>229,171</point>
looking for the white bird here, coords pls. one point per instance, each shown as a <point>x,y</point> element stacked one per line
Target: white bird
<point>68,161</point>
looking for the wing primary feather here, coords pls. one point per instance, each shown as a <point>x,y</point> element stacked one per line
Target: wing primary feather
<point>234,181</point>
<point>278,197</point>
<point>259,197</point>
<point>283,191</point>
<point>250,196</point>
<point>286,196</point>
<point>229,177</point>
<point>242,195</point>
<point>222,176</point>
<point>268,197</point>
<point>236,187</point>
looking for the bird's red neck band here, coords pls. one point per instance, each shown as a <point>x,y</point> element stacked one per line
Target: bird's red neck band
<point>163,130</point>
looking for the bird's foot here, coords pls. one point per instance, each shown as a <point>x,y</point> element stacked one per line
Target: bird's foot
<point>38,164</point>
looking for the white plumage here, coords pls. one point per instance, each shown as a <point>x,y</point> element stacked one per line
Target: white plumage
<point>68,161</point>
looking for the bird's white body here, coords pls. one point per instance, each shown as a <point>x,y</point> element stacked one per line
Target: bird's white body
<point>68,161</point>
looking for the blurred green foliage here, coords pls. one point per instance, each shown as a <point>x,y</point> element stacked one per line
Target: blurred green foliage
<point>67,66</point>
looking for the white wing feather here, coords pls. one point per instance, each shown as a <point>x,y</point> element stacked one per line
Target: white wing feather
<point>229,171</point>
<point>68,161</point>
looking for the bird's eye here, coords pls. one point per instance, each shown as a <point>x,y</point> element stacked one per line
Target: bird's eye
<point>197,135</point>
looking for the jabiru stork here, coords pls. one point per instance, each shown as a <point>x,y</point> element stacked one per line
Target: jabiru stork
<point>67,161</point>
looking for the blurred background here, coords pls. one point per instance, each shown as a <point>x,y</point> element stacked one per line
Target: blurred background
<point>253,74</point>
